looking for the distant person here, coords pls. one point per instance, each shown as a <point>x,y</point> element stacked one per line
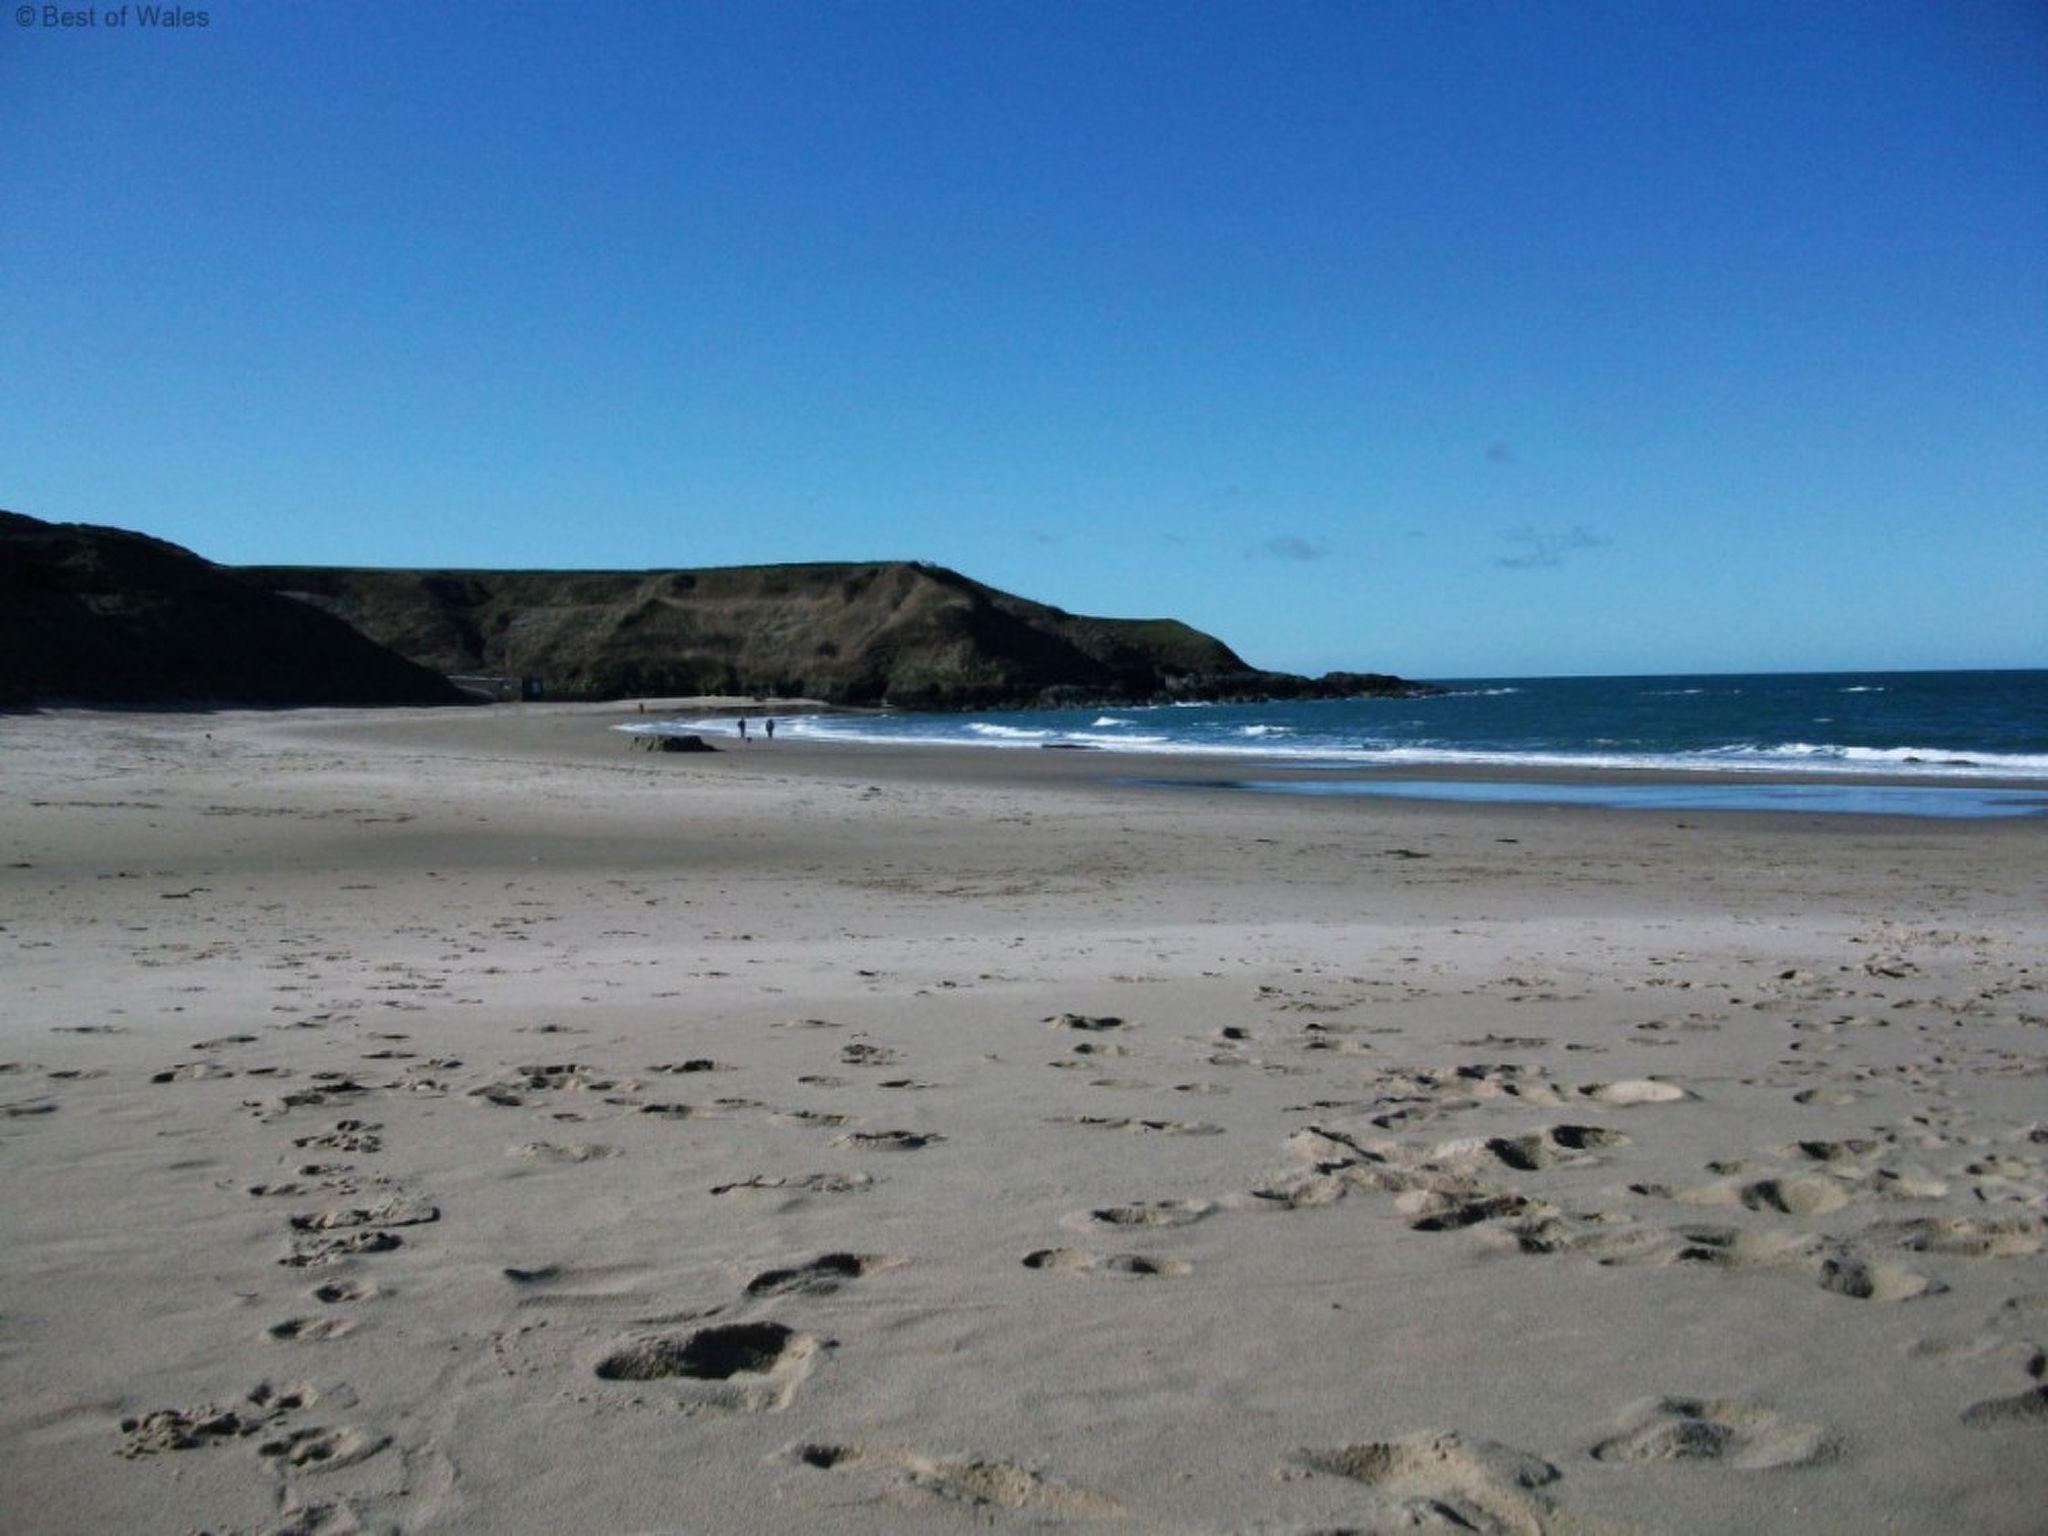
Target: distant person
<point>771,727</point>
<point>743,727</point>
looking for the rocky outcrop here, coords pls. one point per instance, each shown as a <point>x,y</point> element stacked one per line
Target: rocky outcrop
<point>102,616</point>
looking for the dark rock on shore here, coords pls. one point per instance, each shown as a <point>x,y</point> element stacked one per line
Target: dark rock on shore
<point>102,616</point>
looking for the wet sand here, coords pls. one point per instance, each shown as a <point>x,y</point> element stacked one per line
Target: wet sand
<point>457,1121</point>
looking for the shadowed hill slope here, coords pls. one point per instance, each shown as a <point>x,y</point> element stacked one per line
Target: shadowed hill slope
<point>893,632</point>
<point>104,616</point>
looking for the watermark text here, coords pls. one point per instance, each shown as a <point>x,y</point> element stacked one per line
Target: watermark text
<point>112,18</point>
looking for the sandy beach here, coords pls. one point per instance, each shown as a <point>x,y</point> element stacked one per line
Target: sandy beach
<point>453,1120</point>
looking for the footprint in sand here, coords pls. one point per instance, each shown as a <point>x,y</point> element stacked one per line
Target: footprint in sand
<point>822,1276</point>
<point>1451,1210</point>
<point>563,1151</point>
<point>388,1213</point>
<point>337,1292</point>
<point>1872,1280</point>
<point>800,1183</point>
<point>982,1483</point>
<point>1998,1349</point>
<point>347,1136</point>
<point>191,1072</point>
<point>1445,1479</point>
<point>1794,1196</point>
<point>1566,1145</point>
<point>1833,1266</point>
<point>1570,1145</point>
<point>1084,1021</point>
<point>311,1330</point>
<point>858,1055</point>
<point>1095,1048</point>
<point>543,1077</point>
<point>573,1285</point>
<point>1827,1098</point>
<point>887,1141</point>
<point>1079,1261</point>
<point>1629,1092</point>
<point>1784,1196</point>
<point>1088,1057</point>
<point>1152,1213</point>
<point>666,1111</point>
<point>826,1457</point>
<point>1139,1127</point>
<point>1722,1247</point>
<point>185,1429</point>
<point>1847,1151</point>
<point>1735,1434</point>
<point>309,1253</point>
<point>322,1448</point>
<point>975,1481</point>
<point>1907,1184</point>
<point>822,1119</point>
<point>1975,1237</point>
<point>1304,1189</point>
<point>752,1366</point>
<point>2026,1409</point>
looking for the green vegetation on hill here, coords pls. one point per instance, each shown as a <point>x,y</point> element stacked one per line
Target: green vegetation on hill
<point>888,633</point>
<point>101,615</point>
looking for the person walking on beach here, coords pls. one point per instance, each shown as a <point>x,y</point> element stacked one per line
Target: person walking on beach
<point>743,727</point>
<point>771,727</point>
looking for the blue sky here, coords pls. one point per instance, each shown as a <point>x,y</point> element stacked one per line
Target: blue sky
<point>1451,339</point>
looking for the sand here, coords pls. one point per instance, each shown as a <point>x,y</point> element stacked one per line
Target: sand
<point>454,1121</point>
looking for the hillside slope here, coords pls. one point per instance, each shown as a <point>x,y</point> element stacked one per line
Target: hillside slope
<point>104,616</point>
<point>897,633</point>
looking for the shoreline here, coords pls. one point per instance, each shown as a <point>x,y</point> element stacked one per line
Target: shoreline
<point>1079,761</point>
<point>1478,764</point>
<point>1036,763</point>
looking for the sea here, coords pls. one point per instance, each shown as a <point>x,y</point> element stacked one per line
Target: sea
<point>1958,729</point>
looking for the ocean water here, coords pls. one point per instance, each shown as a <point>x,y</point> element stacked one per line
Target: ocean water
<point>1951,726</point>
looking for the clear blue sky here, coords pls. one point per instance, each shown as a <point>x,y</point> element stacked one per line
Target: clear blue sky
<point>1452,339</point>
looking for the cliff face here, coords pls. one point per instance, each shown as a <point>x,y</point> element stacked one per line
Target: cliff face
<point>902,634</point>
<point>100,615</point>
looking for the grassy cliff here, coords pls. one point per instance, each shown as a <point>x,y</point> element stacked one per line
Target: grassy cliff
<point>895,632</point>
